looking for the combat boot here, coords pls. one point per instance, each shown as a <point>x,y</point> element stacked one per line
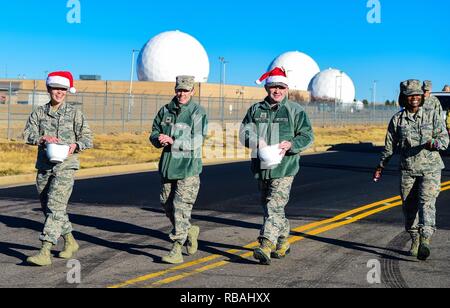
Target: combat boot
<point>192,240</point>
<point>175,256</point>
<point>70,247</point>
<point>283,249</point>
<point>424,249</point>
<point>43,258</point>
<point>413,252</point>
<point>264,252</point>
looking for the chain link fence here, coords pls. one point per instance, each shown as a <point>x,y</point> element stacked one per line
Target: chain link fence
<point>121,113</point>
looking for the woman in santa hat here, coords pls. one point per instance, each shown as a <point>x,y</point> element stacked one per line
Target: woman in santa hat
<point>57,123</point>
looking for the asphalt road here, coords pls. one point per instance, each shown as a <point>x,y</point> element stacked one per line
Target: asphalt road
<point>123,232</point>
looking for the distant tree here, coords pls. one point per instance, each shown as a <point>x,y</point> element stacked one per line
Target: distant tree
<point>390,103</point>
<point>365,102</point>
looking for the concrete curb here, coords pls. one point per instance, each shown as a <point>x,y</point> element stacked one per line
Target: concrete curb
<point>29,179</point>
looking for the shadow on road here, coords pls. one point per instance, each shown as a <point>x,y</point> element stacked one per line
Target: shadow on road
<point>356,246</point>
<point>124,235</point>
<point>12,250</point>
<point>216,220</point>
<point>363,147</point>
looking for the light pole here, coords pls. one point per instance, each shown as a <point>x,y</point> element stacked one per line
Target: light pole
<point>222,84</point>
<point>223,64</point>
<point>374,91</point>
<point>130,101</point>
<point>132,70</point>
<point>336,88</point>
<point>374,97</point>
<point>336,95</point>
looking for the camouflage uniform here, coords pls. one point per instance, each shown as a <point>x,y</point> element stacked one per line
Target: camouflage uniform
<point>180,164</point>
<point>274,199</point>
<point>55,181</point>
<point>287,121</point>
<point>432,102</point>
<point>178,198</point>
<point>420,168</point>
<point>448,121</point>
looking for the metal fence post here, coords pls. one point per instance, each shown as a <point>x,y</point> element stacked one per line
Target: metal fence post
<point>9,112</point>
<point>142,114</point>
<point>223,112</point>
<point>323,114</point>
<point>123,114</point>
<point>209,106</point>
<point>105,104</point>
<point>95,108</point>
<point>34,95</point>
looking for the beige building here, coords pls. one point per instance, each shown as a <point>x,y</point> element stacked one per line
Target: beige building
<point>203,90</point>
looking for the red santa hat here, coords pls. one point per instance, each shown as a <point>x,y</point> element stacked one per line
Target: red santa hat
<point>61,80</point>
<point>277,75</point>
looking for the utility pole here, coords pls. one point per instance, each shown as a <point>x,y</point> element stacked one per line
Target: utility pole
<point>222,86</point>
<point>132,70</point>
<point>374,91</point>
<point>374,96</point>
<point>130,101</point>
<point>8,130</point>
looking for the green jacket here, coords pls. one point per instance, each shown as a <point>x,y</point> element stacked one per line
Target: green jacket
<point>408,134</point>
<point>286,122</point>
<point>188,126</point>
<point>68,124</point>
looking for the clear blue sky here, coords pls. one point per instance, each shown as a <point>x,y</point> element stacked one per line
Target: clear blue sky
<point>412,41</point>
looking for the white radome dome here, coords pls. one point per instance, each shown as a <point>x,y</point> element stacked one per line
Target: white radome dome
<point>359,105</point>
<point>300,69</point>
<point>171,54</point>
<point>333,84</point>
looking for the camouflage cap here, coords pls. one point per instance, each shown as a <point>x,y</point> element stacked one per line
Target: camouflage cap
<point>403,86</point>
<point>185,83</point>
<point>413,87</point>
<point>427,85</point>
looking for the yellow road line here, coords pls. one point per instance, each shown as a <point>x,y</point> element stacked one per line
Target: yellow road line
<point>292,240</point>
<point>445,188</point>
<point>194,272</point>
<point>234,251</point>
<point>254,244</point>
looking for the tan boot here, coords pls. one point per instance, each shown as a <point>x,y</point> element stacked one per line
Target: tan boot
<point>414,251</point>
<point>424,249</point>
<point>283,249</point>
<point>43,258</point>
<point>175,256</point>
<point>192,240</point>
<point>264,252</point>
<point>70,247</point>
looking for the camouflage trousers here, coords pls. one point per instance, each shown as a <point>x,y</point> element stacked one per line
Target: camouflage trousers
<point>274,198</point>
<point>55,188</point>
<point>178,198</point>
<point>419,194</point>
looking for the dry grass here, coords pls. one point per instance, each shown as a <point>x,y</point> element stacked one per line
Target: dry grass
<point>329,136</point>
<point>124,149</point>
<point>110,150</point>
